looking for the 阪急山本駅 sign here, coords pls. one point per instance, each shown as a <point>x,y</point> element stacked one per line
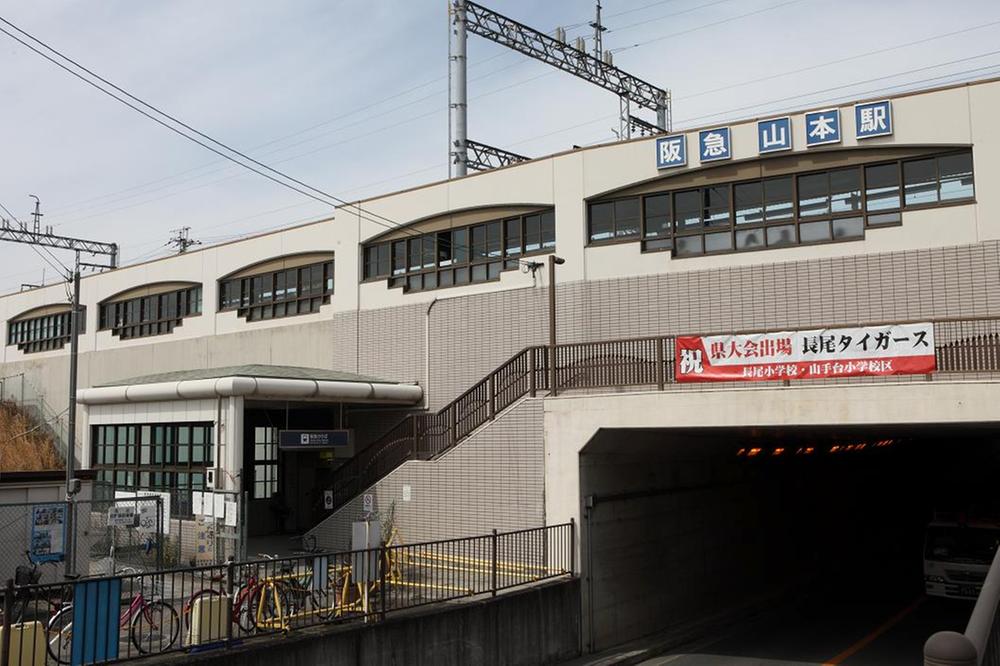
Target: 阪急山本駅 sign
<point>903,349</point>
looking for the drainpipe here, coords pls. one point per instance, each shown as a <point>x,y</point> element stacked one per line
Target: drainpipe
<point>427,352</point>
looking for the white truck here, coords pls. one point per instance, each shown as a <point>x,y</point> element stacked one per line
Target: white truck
<point>957,554</point>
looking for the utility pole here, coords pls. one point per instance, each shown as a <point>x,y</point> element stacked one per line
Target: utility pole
<point>468,17</point>
<point>599,29</point>
<point>458,103</point>
<point>553,262</point>
<point>181,239</point>
<point>21,234</point>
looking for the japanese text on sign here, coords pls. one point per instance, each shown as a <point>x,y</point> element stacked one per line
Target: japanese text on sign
<point>843,352</point>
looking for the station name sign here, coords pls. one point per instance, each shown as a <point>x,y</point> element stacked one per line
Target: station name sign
<point>822,128</point>
<point>903,349</point>
<point>314,440</point>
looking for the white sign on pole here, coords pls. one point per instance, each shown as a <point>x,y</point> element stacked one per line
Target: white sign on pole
<point>231,511</point>
<point>147,509</point>
<point>122,515</point>
<point>368,503</point>
<point>198,503</point>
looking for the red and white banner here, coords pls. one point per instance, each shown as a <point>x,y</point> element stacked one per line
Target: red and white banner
<point>904,349</point>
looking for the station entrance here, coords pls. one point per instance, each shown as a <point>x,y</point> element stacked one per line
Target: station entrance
<point>680,525</point>
<point>284,488</point>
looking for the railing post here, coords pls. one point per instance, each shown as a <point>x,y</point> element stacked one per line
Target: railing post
<point>532,384</point>
<point>491,388</point>
<point>384,561</point>
<point>572,546</point>
<point>493,570</point>
<point>453,423</point>
<point>230,580</point>
<point>416,443</point>
<point>660,380</point>
<point>8,609</point>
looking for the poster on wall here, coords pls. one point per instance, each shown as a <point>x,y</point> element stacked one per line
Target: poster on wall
<point>901,349</point>
<point>48,532</point>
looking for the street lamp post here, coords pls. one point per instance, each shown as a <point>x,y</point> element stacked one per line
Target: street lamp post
<point>553,262</point>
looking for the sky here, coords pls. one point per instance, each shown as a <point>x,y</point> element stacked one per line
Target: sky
<point>351,96</point>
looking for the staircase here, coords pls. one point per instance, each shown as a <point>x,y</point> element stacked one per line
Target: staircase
<point>628,362</point>
<point>963,346</point>
<point>427,435</point>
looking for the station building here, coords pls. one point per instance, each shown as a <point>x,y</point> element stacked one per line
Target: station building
<point>418,321</point>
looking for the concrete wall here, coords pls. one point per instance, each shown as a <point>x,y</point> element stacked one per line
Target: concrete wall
<point>538,625</point>
<point>572,421</point>
<point>491,480</point>
<point>673,533</point>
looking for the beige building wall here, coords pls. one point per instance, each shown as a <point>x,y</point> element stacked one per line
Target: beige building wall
<point>939,263</point>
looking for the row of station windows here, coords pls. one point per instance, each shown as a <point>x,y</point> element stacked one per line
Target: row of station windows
<point>462,255</point>
<point>149,315</point>
<point>811,207</point>
<point>43,333</point>
<point>281,293</point>
<point>822,206</point>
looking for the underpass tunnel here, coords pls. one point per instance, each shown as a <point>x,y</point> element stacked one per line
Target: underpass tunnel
<point>679,525</point>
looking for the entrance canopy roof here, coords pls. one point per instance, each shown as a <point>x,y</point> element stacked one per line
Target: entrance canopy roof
<point>278,382</point>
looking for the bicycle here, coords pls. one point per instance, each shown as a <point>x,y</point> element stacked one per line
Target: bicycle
<point>28,575</point>
<point>152,625</point>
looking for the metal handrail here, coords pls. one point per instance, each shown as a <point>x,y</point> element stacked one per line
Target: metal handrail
<point>980,644</point>
<point>639,361</point>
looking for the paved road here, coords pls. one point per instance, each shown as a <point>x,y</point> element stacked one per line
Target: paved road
<point>878,628</point>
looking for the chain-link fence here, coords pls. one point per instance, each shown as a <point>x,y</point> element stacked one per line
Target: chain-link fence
<point>19,391</point>
<point>200,528</point>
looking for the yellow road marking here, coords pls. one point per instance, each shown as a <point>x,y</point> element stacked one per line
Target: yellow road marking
<point>881,629</point>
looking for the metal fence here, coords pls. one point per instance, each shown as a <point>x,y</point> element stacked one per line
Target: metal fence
<point>138,614</point>
<point>106,534</point>
<point>18,390</point>
<point>965,348</point>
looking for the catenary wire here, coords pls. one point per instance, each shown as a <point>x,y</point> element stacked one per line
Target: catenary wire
<point>305,190</point>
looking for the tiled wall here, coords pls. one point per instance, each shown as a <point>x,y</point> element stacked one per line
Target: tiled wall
<point>469,336</point>
<point>494,479</point>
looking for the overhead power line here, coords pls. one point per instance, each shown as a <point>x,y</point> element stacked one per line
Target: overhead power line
<point>707,25</point>
<point>200,138</point>
<point>205,141</point>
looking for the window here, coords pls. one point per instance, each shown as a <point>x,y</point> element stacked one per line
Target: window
<point>162,457</point>
<point>291,291</point>
<point>44,333</point>
<point>476,253</point>
<point>151,315</point>
<point>920,182</point>
<point>656,223</point>
<point>815,207</point>
<point>265,462</point>
<point>615,220</point>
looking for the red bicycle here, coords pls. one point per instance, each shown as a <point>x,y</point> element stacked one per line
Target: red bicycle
<point>152,626</point>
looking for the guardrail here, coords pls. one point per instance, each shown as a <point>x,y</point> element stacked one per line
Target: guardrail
<point>137,614</point>
<point>980,644</point>
<point>961,346</point>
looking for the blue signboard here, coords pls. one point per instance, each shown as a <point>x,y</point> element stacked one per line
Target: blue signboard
<point>47,540</point>
<point>96,605</point>
<point>873,119</point>
<point>774,135</point>
<point>823,127</point>
<point>713,144</point>
<point>671,151</point>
